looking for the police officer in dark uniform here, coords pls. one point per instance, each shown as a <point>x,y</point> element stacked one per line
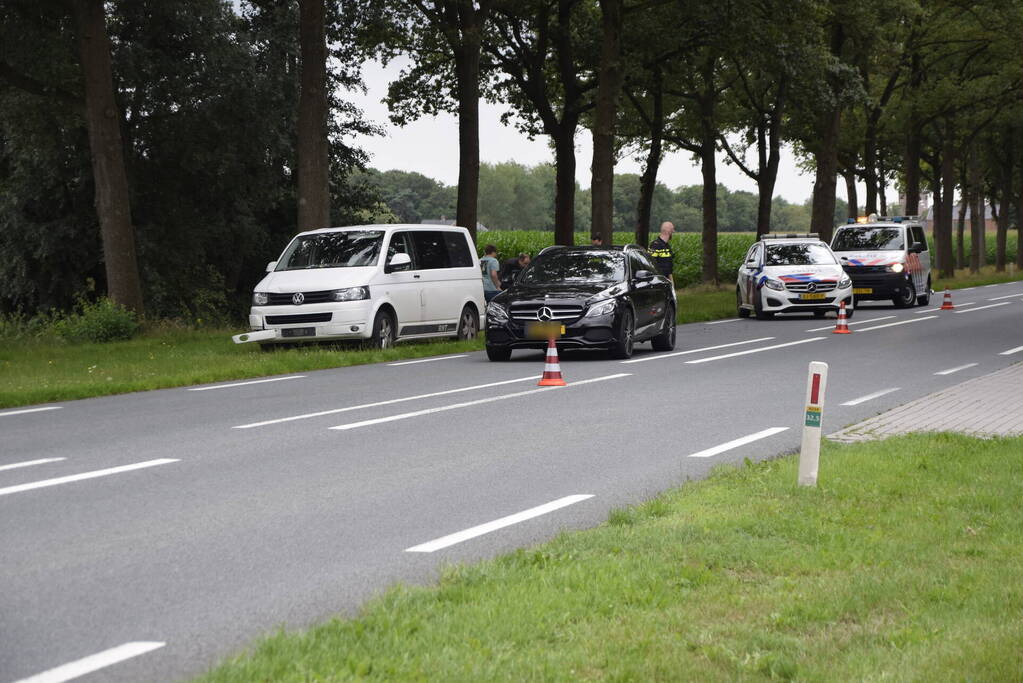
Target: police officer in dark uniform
<point>660,251</point>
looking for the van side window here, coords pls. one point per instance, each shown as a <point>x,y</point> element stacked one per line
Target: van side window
<point>400,244</point>
<point>918,236</point>
<point>459,255</point>
<point>431,251</point>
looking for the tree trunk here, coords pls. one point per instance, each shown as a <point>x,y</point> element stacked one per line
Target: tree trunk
<point>113,206</point>
<point>882,192</point>
<point>936,214</point>
<point>822,215</point>
<point>870,171</point>
<point>313,159</point>
<point>467,68</point>
<point>850,193</point>
<point>710,212</point>
<point>648,182</point>
<point>608,87</point>
<point>1004,194</point>
<point>978,246</point>
<point>1019,228</point>
<point>564,186</point>
<point>943,228</point>
<point>964,204</point>
<point>768,175</point>
<point>765,191</point>
<point>1001,215</point>
<point>912,172</point>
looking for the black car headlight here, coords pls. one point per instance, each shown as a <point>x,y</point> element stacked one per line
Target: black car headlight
<point>260,298</point>
<point>497,313</point>
<point>602,308</point>
<point>350,294</point>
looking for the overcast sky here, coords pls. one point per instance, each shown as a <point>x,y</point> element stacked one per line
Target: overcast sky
<point>430,146</point>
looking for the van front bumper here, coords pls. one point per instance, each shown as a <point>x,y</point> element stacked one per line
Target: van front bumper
<point>879,286</point>
<point>315,322</point>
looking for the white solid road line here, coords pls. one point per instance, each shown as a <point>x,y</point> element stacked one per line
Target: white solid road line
<point>904,322</point>
<point>1011,351</point>
<point>1007,296</point>
<point>458,537</point>
<point>708,348</point>
<point>727,320</point>
<point>989,286</point>
<point>427,360</point>
<point>961,367</point>
<point>868,397</point>
<point>87,665</point>
<point>858,322</point>
<point>743,353</point>
<point>84,475</point>
<point>29,410</point>
<point>455,406</point>
<point>242,384</point>
<point>738,442</point>
<point>29,463</point>
<point>981,308</point>
<point>384,403</point>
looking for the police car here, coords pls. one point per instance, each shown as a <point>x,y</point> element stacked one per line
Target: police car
<point>887,258</point>
<point>791,274</point>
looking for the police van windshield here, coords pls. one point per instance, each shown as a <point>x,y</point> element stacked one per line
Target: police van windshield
<point>346,249</point>
<point>869,239</point>
<point>798,255</point>
<point>567,266</point>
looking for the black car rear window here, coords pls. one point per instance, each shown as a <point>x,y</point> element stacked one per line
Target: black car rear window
<point>575,266</point>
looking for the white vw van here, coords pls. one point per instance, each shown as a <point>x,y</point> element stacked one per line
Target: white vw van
<point>887,258</point>
<point>377,282</point>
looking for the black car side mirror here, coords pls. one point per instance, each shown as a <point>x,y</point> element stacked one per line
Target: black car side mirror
<point>644,275</point>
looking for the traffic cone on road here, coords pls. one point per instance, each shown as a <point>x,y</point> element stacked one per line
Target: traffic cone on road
<point>551,369</point>
<point>842,327</point>
<point>946,305</point>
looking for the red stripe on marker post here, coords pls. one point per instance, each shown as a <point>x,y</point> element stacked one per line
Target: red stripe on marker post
<point>815,391</point>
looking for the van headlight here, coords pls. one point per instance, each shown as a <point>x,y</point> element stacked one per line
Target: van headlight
<point>260,298</point>
<point>844,282</point>
<point>496,313</point>
<point>602,308</point>
<point>775,284</point>
<point>350,294</point>
<point>896,268</point>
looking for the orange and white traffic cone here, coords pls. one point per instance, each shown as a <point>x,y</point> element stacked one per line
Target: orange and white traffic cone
<point>551,369</point>
<point>842,327</point>
<point>946,305</point>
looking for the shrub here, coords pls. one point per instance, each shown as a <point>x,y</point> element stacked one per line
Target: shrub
<point>101,321</point>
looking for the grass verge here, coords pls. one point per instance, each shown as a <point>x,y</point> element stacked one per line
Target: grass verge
<point>906,563</point>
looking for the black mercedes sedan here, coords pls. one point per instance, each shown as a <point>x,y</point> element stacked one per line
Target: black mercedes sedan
<point>587,297</point>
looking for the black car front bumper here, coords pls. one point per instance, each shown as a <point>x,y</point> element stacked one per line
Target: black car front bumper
<point>596,332</point>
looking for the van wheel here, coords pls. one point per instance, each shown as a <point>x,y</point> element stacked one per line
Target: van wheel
<point>468,323</point>
<point>498,353</point>
<point>383,331</point>
<point>906,296</point>
<point>925,298</point>
<point>665,341</point>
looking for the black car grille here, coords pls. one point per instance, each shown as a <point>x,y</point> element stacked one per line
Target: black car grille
<point>310,298</point>
<point>805,286</point>
<point>303,318</point>
<point>528,311</point>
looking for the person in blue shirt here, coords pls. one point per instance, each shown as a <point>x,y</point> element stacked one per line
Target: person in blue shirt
<point>490,269</point>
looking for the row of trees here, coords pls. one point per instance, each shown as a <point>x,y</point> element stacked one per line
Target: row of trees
<point>512,196</point>
<point>163,148</point>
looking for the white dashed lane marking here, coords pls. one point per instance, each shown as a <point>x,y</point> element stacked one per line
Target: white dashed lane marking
<point>738,442</point>
<point>242,384</point>
<point>29,463</point>
<point>954,370</point>
<point>87,665</point>
<point>28,410</point>
<point>1011,351</point>
<point>707,348</point>
<point>84,475</point>
<point>743,353</point>
<point>858,322</point>
<point>426,360</point>
<point>981,308</point>
<point>869,397</point>
<point>904,322</point>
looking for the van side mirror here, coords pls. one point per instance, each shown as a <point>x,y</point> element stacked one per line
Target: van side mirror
<point>270,266</point>
<point>400,261</point>
<point>916,248</point>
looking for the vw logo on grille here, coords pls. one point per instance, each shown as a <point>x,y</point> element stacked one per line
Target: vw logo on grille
<point>297,298</point>
<point>545,313</point>
<point>812,287</point>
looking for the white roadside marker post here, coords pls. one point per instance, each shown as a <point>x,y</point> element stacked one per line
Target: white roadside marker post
<point>810,450</point>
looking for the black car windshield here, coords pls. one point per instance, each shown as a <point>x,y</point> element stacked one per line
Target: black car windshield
<point>575,266</point>
<point>806,254</point>
<point>346,249</point>
<point>869,239</point>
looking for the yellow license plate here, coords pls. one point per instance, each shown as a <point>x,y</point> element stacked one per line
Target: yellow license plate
<point>862,290</point>
<point>808,297</point>
<point>545,330</point>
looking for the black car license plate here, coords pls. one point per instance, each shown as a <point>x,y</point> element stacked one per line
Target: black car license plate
<point>299,332</point>
<point>544,330</point>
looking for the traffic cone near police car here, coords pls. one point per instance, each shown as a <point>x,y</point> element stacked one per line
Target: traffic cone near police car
<point>551,369</point>
<point>946,305</point>
<point>842,327</point>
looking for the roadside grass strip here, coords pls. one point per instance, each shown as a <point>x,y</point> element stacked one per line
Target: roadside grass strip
<point>904,563</point>
<point>480,530</point>
<point>87,665</point>
<point>468,404</point>
<point>83,476</point>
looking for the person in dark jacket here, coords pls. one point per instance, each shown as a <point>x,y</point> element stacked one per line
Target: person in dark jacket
<point>511,268</point>
<point>660,251</point>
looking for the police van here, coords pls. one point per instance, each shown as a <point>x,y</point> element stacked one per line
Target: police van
<point>791,273</point>
<point>887,259</point>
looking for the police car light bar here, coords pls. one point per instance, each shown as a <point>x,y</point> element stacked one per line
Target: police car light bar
<point>791,235</point>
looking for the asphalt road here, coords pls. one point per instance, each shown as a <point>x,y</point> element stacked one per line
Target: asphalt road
<point>241,507</point>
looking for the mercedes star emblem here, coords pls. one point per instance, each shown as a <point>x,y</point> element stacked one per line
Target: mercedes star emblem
<point>545,313</point>
<point>297,298</point>
<point>812,287</point>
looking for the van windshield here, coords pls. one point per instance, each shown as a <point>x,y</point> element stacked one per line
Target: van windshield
<point>347,249</point>
<point>869,239</point>
<point>805,254</point>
